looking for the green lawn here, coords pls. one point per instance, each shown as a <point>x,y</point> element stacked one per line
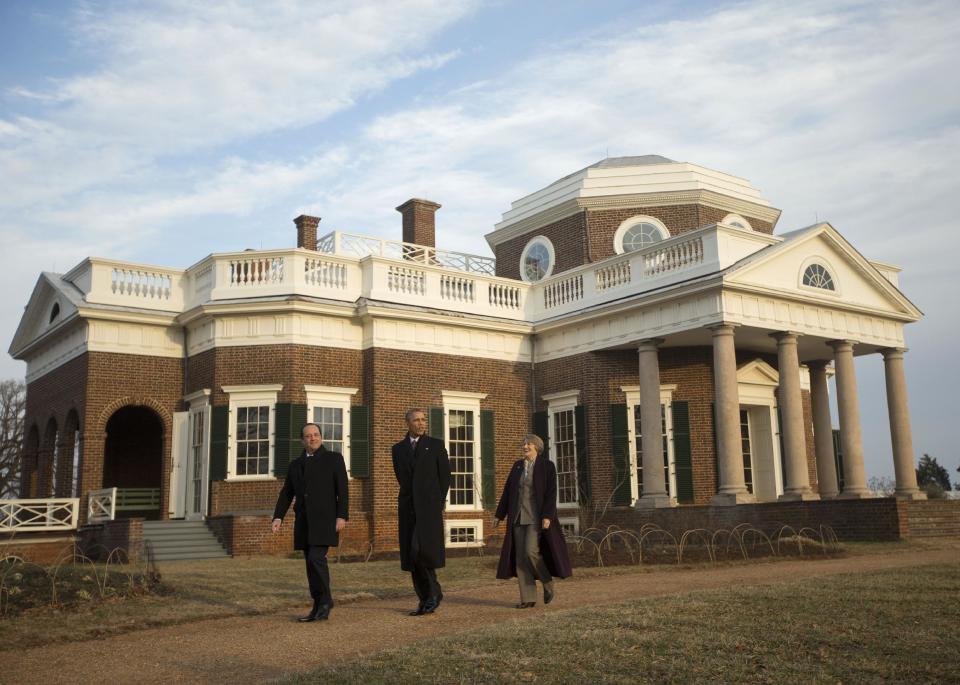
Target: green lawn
<point>883,627</point>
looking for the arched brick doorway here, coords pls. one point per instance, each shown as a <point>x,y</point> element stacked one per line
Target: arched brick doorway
<point>133,460</point>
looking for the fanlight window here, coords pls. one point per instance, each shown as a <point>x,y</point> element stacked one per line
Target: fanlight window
<point>816,276</point>
<point>641,235</point>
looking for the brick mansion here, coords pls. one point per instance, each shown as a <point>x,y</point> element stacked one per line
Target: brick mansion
<point>641,315</point>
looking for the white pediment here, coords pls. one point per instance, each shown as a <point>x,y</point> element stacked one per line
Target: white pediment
<point>757,372</point>
<point>48,309</point>
<point>856,281</point>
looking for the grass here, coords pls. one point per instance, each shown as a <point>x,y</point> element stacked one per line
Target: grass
<point>883,627</point>
<point>200,590</point>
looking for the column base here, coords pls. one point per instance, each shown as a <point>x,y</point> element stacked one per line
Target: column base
<point>915,495</point>
<point>854,494</point>
<point>655,502</point>
<point>729,499</point>
<point>803,496</point>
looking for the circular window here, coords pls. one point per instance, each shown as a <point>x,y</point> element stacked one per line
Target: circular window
<point>637,233</point>
<point>816,276</point>
<point>537,260</point>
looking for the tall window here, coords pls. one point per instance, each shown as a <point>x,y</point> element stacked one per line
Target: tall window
<point>329,408</point>
<point>462,430</point>
<point>251,430</point>
<point>461,445</point>
<point>565,456</point>
<point>635,432</point>
<point>745,446</point>
<point>253,440</point>
<point>638,445</point>
<point>197,458</point>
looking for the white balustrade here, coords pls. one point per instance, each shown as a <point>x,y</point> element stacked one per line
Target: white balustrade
<point>503,296</point>
<point>37,515</point>
<point>325,273</point>
<point>134,282</point>
<point>256,270</point>
<point>406,280</point>
<point>612,275</point>
<point>563,291</point>
<point>356,245</point>
<point>457,288</point>
<point>673,257</point>
<point>101,505</point>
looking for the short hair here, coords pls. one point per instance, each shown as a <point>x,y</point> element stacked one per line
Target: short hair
<point>311,423</point>
<point>533,440</point>
<point>411,411</point>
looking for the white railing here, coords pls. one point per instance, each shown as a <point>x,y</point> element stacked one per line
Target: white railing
<point>406,281</point>
<point>503,296</point>
<point>38,515</point>
<point>325,273</point>
<point>150,285</point>
<point>256,270</point>
<point>613,275</point>
<point>356,245</point>
<point>101,505</point>
<point>457,288</point>
<point>563,291</point>
<point>673,257</point>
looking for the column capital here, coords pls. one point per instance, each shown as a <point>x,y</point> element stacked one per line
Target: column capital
<point>838,344</point>
<point>817,363</point>
<point>785,336</point>
<point>893,352</point>
<point>649,344</point>
<point>722,328</point>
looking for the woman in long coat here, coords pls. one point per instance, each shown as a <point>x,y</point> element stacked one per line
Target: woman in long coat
<point>533,544</point>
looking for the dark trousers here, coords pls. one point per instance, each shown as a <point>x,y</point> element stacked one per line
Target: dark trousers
<point>318,575</point>
<point>425,581</point>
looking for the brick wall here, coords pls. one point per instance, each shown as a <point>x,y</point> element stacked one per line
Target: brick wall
<point>98,540</point>
<point>867,519</point>
<point>587,236</point>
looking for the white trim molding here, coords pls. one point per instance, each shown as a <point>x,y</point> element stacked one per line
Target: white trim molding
<point>559,403</point>
<point>476,524</point>
<point>551,255</point>
<point>456,400</point>
<point>627,224</point>
<point>736,221</point>
<point>329,397</point>
<point>632,394</point>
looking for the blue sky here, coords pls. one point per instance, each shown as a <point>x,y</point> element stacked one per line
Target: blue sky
<point>162,131</point>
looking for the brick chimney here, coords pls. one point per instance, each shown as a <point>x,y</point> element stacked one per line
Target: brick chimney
<point>419,222</point>
<point>307,231</point>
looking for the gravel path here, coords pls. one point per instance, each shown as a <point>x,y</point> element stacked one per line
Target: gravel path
<point>254,649</point>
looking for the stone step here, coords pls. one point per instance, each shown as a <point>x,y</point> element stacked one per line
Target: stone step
<point>169,540</point>
<point>190,555</point>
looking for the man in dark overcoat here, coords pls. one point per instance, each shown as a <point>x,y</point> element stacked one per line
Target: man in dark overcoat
<point>317,480</point>
<point>422,468</point>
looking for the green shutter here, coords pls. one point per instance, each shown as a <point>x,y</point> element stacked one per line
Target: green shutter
<point>289,419</point>
<point>620,444</point>
<point>359,442</point>
<point>488,473</point>
<point>219,430</point>
<point>838,458</point>
<point>542,430</point>
<point>435,428</point>
<point>682,457</point>
<point>583,463</point>
<point>716,446</point>
<point>783,457</point>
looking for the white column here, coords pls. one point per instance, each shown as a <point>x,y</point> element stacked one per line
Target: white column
<point>797,486</point>
<point>900,434</point>
<point>823,430</point>
<point>731,488</point>
<point>654,485</point>
<point>848,407</point>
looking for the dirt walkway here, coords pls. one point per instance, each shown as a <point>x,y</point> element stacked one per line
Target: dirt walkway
<point>252,650</point>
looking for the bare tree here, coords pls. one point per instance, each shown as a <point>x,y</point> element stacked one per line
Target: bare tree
<point>13,397</point>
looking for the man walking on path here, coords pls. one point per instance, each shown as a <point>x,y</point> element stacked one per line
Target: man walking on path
<point>422,468</point>
<point>318,481</point>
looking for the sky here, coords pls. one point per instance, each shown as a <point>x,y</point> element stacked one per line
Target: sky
<point>159,132</point>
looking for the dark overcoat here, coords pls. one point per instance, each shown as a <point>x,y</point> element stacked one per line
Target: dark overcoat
<point>319,486</point>
<point>553,546</point>
<point>424,478</point>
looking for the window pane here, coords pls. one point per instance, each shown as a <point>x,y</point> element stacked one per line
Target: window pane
<point>461,449</point>
<point>565,456</point>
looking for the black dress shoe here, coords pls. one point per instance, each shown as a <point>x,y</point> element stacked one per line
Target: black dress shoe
<point>321,612</point>
<point>431,604</point>
<point>547,596</point>
<point>419,610</point>
<point>526,605</point>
